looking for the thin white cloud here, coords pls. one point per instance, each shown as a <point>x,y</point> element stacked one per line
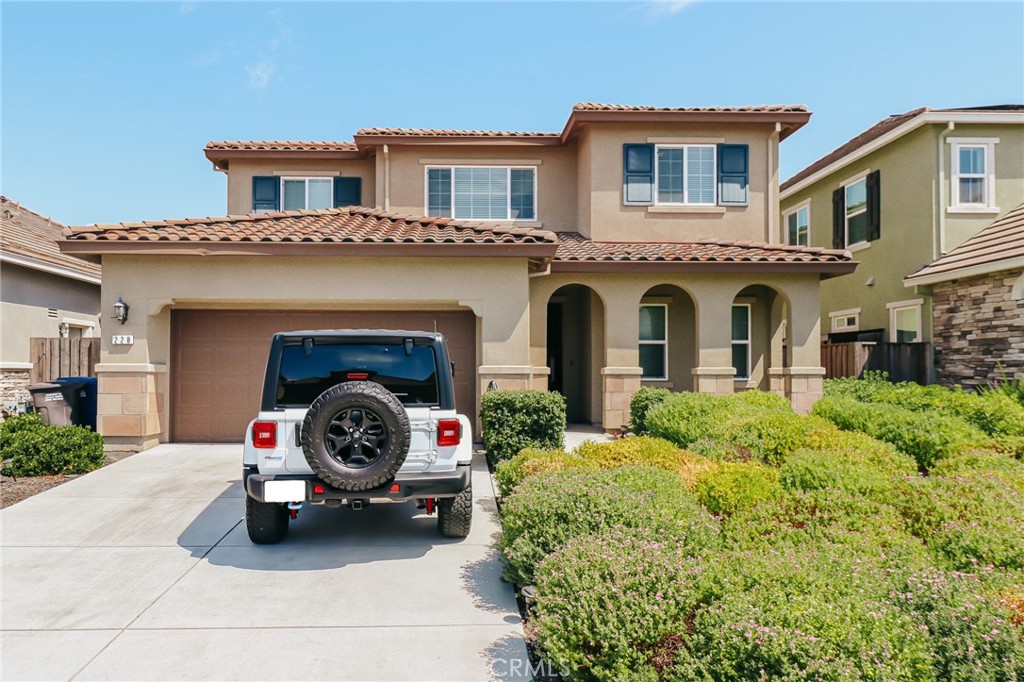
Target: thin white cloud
<point>187,7</point>
<point>671,7</point>
<point>260,74</point>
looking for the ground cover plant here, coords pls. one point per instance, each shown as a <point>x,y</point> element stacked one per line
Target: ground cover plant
<point>739,540</point>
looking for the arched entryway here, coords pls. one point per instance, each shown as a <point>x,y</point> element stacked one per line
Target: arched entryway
<point>668,337</point>
<point>575,350</point>
<point>759,327</point>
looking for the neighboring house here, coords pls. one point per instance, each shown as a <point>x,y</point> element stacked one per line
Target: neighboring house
<point>899,196</point>
<point>43,293</point>
<point>977,293</point>
<point>628,249</point>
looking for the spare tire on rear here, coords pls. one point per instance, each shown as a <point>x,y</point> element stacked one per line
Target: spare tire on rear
<point>356,436</point>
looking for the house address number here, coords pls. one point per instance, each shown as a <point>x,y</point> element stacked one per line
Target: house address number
<point>123,339</point>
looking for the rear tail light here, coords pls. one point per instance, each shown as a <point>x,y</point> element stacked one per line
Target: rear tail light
<point>264,434</point>
<point>449,432</point>
<point>357,376</point>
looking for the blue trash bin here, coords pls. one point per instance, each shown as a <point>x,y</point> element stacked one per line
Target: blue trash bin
<point>84,413</point>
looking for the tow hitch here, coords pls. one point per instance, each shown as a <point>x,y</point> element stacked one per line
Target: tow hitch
<point>430,505</point>
<point>293,509</point>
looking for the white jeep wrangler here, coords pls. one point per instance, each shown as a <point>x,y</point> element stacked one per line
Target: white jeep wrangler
<point>350,418</point>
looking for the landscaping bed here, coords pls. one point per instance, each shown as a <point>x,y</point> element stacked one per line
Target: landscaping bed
<point>877,539</point>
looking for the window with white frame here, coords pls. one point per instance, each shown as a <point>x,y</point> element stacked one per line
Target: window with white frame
<point>973,176</point>
<point>482,192</point>
<point>845,320</point>
<point>685,174</point>
<point>905,321</point>
<point>307,193</point>
<point>798,226</point>
<point>654,340</point>
<point>741,339</point>
<point>857,212</point>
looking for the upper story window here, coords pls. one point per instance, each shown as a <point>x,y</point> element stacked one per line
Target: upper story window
<point>685,174</point>
<point>856,211</point>
<point>307,193</point>
<point>973,177</point>
<point>482,192</point>
<point>798,226</point>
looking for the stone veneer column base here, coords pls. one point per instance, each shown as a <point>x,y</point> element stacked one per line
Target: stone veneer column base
<point>777,380</point>
<point>14,380</point>
<point>618,386</point>
<point>804,386</point>
<point>130,404</point>
<point>717,380</point>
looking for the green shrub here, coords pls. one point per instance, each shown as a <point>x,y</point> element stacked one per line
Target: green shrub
<point>608,603</point>
<point>876,476</point>
<point>971,635</point>
<point>926,437</point>
<point>36,449</point>
<point>769,437</point>
<point>763,400</point>
<point>733,487</point>
<point>1012,388</point>
<point>515,420</point>
<point>547,511</point>
<point>643,400</point>
<point>510,473</point>
<point>880,455</point>
<point>685,418</point>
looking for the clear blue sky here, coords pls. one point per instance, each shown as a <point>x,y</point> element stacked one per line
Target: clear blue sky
<point>106,107</point>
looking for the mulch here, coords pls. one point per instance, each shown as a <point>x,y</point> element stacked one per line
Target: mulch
<point>15,490</point>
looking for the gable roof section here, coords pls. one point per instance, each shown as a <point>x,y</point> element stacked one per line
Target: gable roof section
<point>894,127</point>
<point>576,253</point>
<point>30,240</point>
<point>1000,246</point>
<point>281,146</point>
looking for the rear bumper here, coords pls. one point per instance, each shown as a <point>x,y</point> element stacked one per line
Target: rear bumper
<point>410,486</point>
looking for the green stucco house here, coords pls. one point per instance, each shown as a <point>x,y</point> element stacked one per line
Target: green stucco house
<point>900,196</point>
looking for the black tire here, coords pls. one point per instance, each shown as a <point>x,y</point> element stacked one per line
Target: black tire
<point>267,522</point>
<point>356,436</point>
<point>455,514</point>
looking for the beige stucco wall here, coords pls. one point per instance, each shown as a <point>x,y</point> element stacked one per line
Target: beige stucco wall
<point>609,220</point>
<point>241,172</point>
<point>556,176</point>
<point>915,214</point>
<point>26,295</point>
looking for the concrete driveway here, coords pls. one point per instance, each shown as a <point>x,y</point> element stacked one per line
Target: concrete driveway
<point>143,570</point>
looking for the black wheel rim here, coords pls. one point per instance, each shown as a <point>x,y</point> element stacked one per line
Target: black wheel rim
<point>356,437</point>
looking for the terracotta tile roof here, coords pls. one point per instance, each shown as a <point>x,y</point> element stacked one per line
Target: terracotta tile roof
<point>878,130</point>
<point>335,225</point>
<point>998,243</point>
<point>773,108</point>
<point>574,247</point>
<point>281,146</point>
<point>26,234</point>
<point>436,132</point>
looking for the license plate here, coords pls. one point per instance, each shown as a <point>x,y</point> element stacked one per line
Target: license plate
<point>284,491</point>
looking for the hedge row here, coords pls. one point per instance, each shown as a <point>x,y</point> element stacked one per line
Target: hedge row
<point>516,420</point>
<point>31,448</point>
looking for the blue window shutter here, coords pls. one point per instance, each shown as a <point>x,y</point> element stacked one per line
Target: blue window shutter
<point>347,192</point>
<point>266,193</point>
<point>733,174</point>
<point>638,174</point>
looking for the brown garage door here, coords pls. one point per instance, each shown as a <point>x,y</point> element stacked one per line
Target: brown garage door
<point>219,358</point>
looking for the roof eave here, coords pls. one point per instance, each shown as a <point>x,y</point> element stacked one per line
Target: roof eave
<point>791,120</point>
<point>461,140</point>
<point>51,268</point>
<point>221,158</point>
<point>826,269</point>
<point>926,278</point>
<point>80,247</point>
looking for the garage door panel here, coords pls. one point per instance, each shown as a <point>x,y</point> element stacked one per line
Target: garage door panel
<point>219,359</point>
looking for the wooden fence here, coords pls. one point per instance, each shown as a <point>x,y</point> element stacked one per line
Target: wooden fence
<point>903,361</point>
<point>52,358</point>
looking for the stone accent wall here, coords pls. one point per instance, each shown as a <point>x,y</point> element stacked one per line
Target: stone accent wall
<point>978,328</point>
<point>618,386</point>
<point>129,409</point>
<point>13,387</point>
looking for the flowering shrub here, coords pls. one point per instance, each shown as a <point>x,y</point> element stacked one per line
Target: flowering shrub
<point>643,400</point>
<point>926,437</point>
<point>875,475</point>
<point>733,487</point>
<point>547,511</point>
<point>532,461</point>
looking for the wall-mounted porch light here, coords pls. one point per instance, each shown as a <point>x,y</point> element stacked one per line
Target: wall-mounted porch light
<point>120,310</point>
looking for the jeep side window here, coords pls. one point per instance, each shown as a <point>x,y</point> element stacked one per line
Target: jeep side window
<point>306,373</point>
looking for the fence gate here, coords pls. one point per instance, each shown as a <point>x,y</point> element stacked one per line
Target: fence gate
<point>53,358</point>
<point>903,361</point>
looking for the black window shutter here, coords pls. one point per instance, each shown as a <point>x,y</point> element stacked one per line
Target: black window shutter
<point>638,174</point>
<point>266,193</point>
<point>839,219</point>
<point>874,206</point>
<point>347,192</point>
<point>733,174</point>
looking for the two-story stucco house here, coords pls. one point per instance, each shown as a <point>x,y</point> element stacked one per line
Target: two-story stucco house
<point>630,248</point>
<point>899,196</point>
<point>43,293</point>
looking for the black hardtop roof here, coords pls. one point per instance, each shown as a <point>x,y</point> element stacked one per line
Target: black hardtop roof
<point>360,334</point>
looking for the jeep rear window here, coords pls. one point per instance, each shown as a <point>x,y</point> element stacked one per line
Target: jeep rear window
<point>306,374</point>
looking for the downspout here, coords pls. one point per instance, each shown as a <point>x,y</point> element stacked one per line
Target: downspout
<point>773,186</point>
<point>387,179</point>
<point>939,243</point>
